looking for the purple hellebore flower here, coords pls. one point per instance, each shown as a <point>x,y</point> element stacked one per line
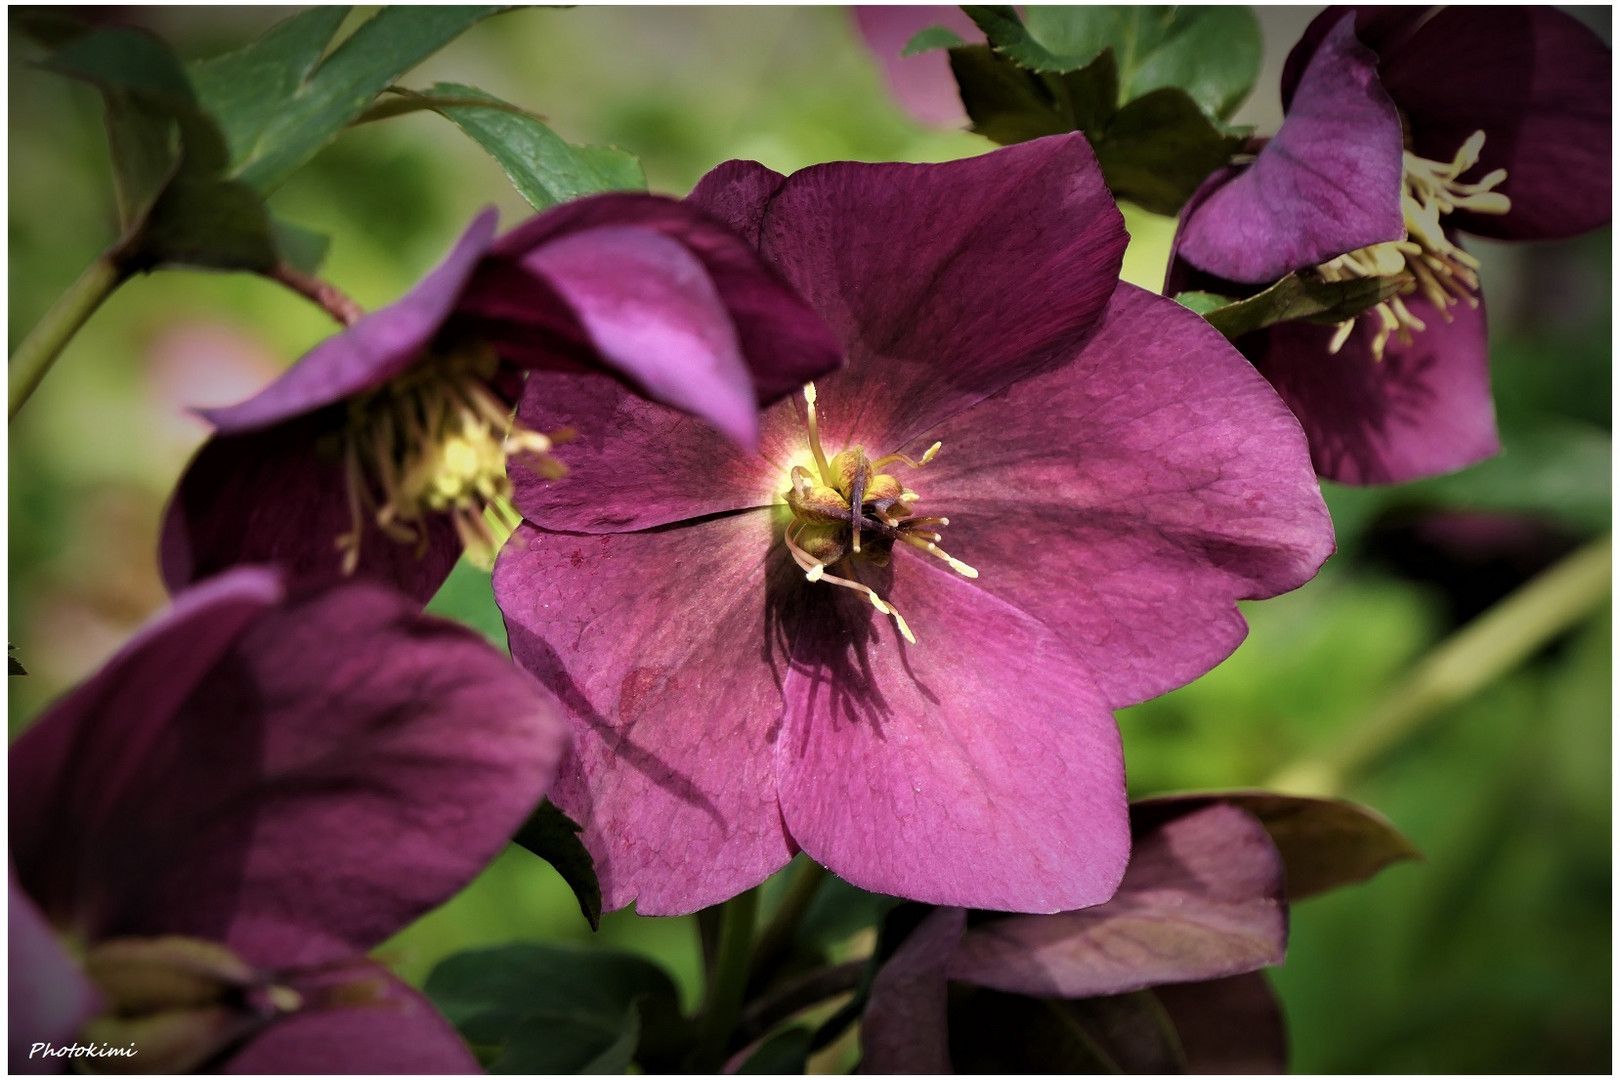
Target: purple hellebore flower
<point>379,453</point>
<point>256,790</point>
<point>1388,110</point>
<point>773,652</point>
<point>1202,905</point>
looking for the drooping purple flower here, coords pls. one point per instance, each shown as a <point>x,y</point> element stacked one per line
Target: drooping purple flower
<point>1405,126</point>
<point>1057,489</point>
<point>254,792</point>
<point>1201,905</point>
<point>379,453</point>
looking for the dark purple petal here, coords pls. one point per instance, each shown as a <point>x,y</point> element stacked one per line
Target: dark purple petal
<point>903,1028</point>
<point>1538,83</point>
<point>636,464</point>
<point>947,282</point>
<point>736,192</point>
<point>281,497</point>
<point>979,767</point>
<point>923,84</point>
<point>372,351</point>
<point>783,341</point>
<point>1202,898</point>
<point>1231,1025</point>
<point>374,760</point>
<point>1129,497</point>
<point>1423,410</point>
<point>661,647</point>
<point>1379,28</point>
<point>1329,182</point>
<point>395,1031</point>
<point>50,999</point>
<point>648,306</point>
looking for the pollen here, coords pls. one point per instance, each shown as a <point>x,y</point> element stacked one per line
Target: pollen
<point>1426,259</point>
<point>436,441</point>
<point>847,497</point>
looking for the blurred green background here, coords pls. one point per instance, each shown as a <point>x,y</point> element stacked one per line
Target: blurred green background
<point>1492,955</point>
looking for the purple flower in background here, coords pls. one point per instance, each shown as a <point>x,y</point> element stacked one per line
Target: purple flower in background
<point>254,792</point>
<point>1202,905</point>
<point>380,452</point>
<point>923,84</point>
<point>1405,126</point>
<point>893,637</point>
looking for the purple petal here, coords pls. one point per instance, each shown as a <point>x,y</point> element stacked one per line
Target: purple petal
<point>636,464</point>
<point>1231,1025</point>
<point>648,306</point>
<point>1423,410</point>
<point>1128,498</point>
<point>377,759</point>
<point>660,646</point>
<point>903,1028</point>
<point>396,1031</point>
<point>923,84</point>
<point>783,341</point>
<point>281,497</point>
<point>736,193</point>
<point>50,999</point>
<point>1538,83</point>
<point>372,351</point>
<point>1202,898</point>
<point>948,282</point>
<point>1328,182</point>
<point>979,767</point>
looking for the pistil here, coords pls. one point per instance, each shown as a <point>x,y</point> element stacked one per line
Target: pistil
<point>847,496</point>
<point>1428,260</point>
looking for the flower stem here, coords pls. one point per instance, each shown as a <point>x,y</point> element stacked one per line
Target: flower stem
<point>778,935</point>
<point>723,1003</point>
<point>45,342</point>
<point>334,301</point>
<point>1469,660</point>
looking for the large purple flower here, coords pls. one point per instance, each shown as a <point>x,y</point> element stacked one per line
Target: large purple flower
<point>1202,906</point>
<point>1404,126</point>
<point>379,453</point>
<point>251,794</point>
<point>769,652</point>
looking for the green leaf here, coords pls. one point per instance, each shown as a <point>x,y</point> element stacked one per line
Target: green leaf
<point>243,89</point>
<point>1008,36</point>
<point>13,665</point>
<point>549,1009</point>
<point>1202,302</point>
<point>1159,148</point>
<point>302,249</point>
<point>785,1053</point>
<point>1302,295</point>
<point>344,84</point>
<point>1324,843</point>
<point>931,38</point>
<point>544,168</point>
<point>550,834</point>
<point>1009,104</point>
<point>200,220</point>
<point>1213,53</point>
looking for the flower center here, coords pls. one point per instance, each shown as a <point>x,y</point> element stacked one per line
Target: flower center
<point>1427,259</point>
<point>435,441</point>
<point>849,509</point>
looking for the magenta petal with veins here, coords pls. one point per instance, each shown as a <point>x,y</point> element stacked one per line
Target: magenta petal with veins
<point>1116,473</point>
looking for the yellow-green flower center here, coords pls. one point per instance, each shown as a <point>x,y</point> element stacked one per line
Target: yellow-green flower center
<point>436,441</point>
<point>1427,259</point>
<point>848,509</point>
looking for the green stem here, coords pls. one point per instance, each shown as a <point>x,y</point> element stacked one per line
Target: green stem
<point>723,1003</point>
<point>778,936</point>
<point>39,350</point>
<point>1472,658</point>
